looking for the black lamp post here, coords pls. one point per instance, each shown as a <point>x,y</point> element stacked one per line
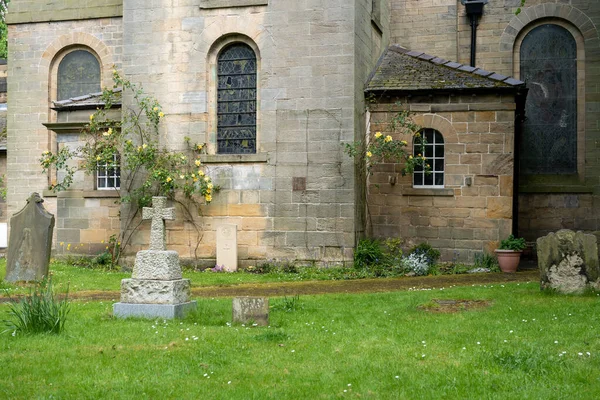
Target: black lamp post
<point>474,11</point>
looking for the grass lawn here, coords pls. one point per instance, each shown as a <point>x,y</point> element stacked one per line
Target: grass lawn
<point>524,344</point>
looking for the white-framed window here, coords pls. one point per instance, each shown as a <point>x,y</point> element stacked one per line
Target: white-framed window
<point>108,175</point>
<point>434,155</point>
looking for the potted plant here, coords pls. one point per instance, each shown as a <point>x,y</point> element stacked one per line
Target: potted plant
<point>509,253</point>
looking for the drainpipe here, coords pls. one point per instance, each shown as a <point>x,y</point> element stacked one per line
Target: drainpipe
<point>474,10</point>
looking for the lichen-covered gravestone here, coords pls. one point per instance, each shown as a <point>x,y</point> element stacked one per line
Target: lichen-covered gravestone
<point>251,309</point>
<point>568,261</point>
<point>156,288</point>
<point>30,242</point>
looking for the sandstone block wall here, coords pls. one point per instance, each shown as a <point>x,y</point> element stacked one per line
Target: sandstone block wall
<point>33,48</point>
<point>474,209</point>
<point>442,28</point>
<point>294,199</point>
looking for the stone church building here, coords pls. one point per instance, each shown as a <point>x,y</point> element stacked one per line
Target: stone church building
<point>509,104</point>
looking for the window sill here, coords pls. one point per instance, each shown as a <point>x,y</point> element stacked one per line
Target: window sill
<point>428,192</point>
<point>100,194</point>
<point>234,158</point>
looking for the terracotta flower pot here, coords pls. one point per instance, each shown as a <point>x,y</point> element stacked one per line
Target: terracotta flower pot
<point>508,260</point>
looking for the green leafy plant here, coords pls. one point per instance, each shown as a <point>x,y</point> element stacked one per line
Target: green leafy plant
<point>368,252</point>
<point>38,312</point>
<point>132,144</point>
<point>485,260</point>
<point>431,254</point>
<point>512,243</point>
<point>288,304</point>
<point>380,148</point>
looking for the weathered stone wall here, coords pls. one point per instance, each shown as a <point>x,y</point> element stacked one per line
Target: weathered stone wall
<point>474,209</point>
<point>33,48</point>
<point>306,101</point>
<point>442,28</point>
<point>26,11</point>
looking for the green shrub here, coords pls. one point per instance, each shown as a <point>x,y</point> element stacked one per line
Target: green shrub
<point>38,312</point>
<point>431,254</point>
<point>367,253</point>
<point>485,260</point>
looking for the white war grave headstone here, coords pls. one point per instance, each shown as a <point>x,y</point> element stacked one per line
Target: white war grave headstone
<point>30,242</point>
<point>156,288</point>
<point>227,253</point>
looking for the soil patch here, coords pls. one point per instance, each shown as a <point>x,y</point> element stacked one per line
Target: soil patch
<point>325,287</point>
<point>449,306</point>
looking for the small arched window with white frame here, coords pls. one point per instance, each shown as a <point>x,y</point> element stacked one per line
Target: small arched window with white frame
<point>433,176</point>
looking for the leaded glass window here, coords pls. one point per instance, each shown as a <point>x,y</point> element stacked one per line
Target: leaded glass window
<point>434,155</point>
<point>78,75</point>
<point>549,66</point>
<point>236,100</point>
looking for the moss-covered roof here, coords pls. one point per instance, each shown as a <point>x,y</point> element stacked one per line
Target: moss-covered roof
<point>400,69</point>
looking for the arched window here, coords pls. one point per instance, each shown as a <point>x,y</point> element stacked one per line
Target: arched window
<point>548,62</point>
<point>78,75</point>
<point>434,154</point>
<point>236,100</point>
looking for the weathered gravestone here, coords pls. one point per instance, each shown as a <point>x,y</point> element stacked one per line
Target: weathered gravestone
<point>156,288</point>
<point>251,309</point>
<point>30,242</point>
<point>227,247</point>
<point>568,261</point>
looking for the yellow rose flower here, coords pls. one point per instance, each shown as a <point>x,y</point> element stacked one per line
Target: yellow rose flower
<point>168,179</point>
<point>201,173</point>
<point>208,198</point>
<point>410,157</point>
<point>92,117</point>
<point>206,179</point>
<point>197,162</point>
<point>404,142</point>
<point>388,138</point>
<point>144,146</point>
<point>139,148</point>
<point>378,135</point>
<point>161,114</point>
<point>369,154</point>
<point>45,152</point>
<point>199,146</point>
<point>183,158</point>
<point>195,179</point>
<point>98,158</point>
<point>210,186</point>
<point>193,175</point>
<point>105,134</point>
<point>155,108</point>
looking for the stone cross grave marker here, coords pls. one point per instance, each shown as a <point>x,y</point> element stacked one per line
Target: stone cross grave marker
<point>156,288</point>
<point>158,214</point>
<point>227,247</point>
<point>30,242</point>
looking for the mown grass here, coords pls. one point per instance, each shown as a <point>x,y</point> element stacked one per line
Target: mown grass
<point>526,344</point>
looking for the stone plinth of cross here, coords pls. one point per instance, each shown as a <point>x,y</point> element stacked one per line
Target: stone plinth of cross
<point>158,214</point>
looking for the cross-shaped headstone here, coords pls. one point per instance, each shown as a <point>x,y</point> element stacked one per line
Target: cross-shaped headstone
<point>158,213</point>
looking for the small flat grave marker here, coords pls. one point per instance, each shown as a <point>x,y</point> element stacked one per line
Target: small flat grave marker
<point>251,310</point>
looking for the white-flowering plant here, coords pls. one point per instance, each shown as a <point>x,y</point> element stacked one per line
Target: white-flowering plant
<point>417,263</point>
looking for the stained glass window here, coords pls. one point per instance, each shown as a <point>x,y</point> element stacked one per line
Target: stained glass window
<point>236,100</point>
<point>78,75</point>
<point>434,154</point>
<point>549,66</point>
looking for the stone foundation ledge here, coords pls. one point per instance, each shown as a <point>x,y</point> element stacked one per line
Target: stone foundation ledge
<point>167,311</point>
<point>148,291</point>
<point>157,265</point>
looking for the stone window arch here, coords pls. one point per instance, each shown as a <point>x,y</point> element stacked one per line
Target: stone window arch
<point>78,73</point>
<point>435,158</point>
<point>548,61</point>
